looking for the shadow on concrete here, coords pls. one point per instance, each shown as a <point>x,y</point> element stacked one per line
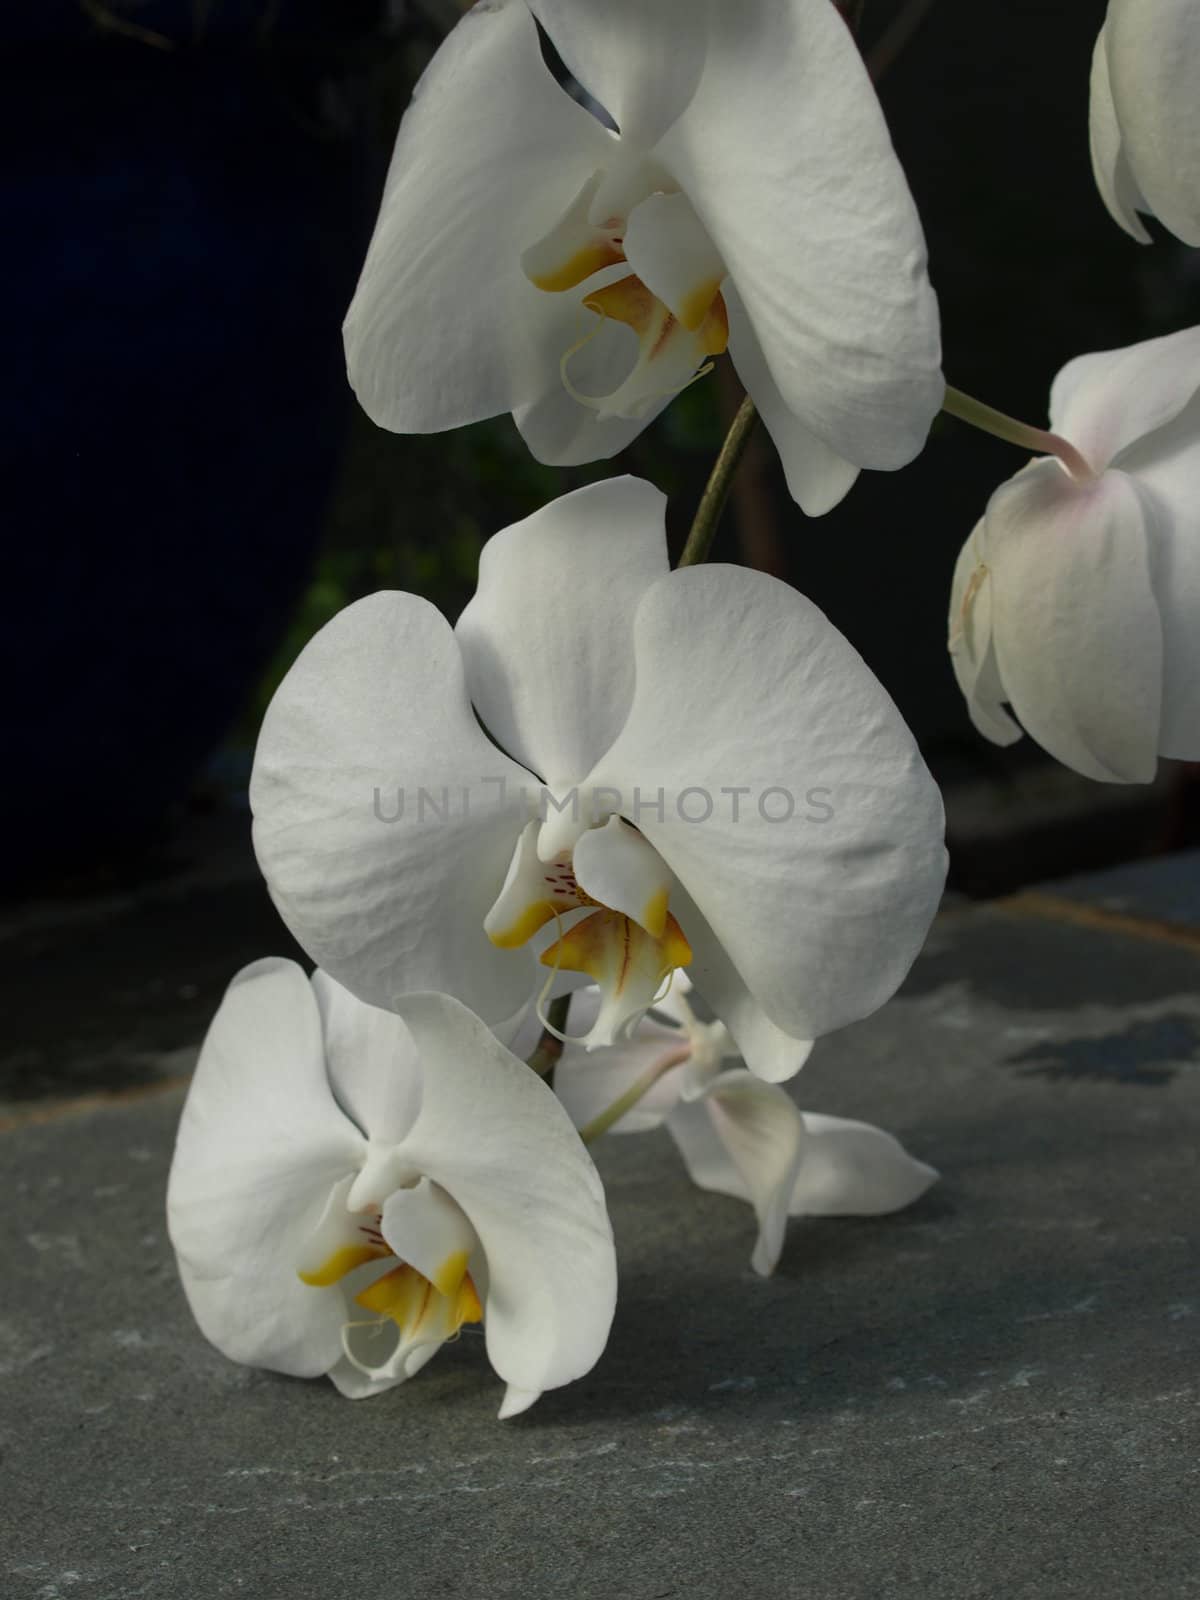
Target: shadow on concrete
<point>1148,1053</point>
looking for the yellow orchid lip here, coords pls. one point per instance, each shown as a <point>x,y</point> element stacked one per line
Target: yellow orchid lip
<point>412,1301</point>
<point>610,946</point>
<point>415,1304</point>
<point>628,300</point>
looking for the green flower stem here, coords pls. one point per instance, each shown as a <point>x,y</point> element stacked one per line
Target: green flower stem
<point>716,491</point>
<point>545,1057</point>
<point>626,1102</point>
<point>1042,443</point>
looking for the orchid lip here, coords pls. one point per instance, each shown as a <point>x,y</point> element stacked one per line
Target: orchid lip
<point>673,344</point>
<point>424,1311</point>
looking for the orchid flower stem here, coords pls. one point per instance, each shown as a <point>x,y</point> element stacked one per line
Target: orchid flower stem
<point>592,1130</point>
<point>545,1057</point>
<point>1042,443</point>
<point>716,491</point>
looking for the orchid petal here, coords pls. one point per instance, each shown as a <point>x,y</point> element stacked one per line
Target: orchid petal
<point>972,649</point>
<point>588,1082</point>
<point>445,328</point>
<point>370,1060</point>
<point>851,1169</point>
<point>1109,401</point>
<point>1116,183</point>
<point>745,1138</point>
<point>785,155</point>
<point>561,432</point>
<point>640,61</point>
<point>546,637</point>
<point>615,865</point>
<point>1077,631</point>
<point>817,477</point>
<point>774,715</point>
<point>769,1051</point>
<point>1153,50</point>
<point>1167,467</point>
<point>261,1146</point>
<point>494,1137</point>
<point>517,1401</point>
<point>375,708</point>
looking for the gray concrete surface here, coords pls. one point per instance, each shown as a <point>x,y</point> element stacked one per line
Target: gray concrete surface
<point>995,1394</point>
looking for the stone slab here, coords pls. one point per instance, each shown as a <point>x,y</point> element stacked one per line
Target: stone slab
<point>993,1394</point>
<point>1168,888</point>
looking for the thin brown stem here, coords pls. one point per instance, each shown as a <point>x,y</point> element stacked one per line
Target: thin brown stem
<point>104,17</point>
<point>716,491</point>
<point>550,1047</point>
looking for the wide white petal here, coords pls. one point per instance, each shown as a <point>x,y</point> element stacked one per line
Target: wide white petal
<point>1076,628</point>
<point>851,1169</point>
<point>1153,49</point>
<point>495,1138</point>
<point>785,155</point>
<point>641,59</point>
<point>745,1138</point>
<point>770,1051</point>
<point>817,477</point>
<point>376,704</point>
<point>1167,468</point>
<point>1108,401</point>
<point>972,652</point>
<point>261,1145</point>
<point>546,639</point>
<point>445,328</point>
<point>820,876</point>
<point>1116,183</point>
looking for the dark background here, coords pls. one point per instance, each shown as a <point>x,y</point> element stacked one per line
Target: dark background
<point>189,190</point>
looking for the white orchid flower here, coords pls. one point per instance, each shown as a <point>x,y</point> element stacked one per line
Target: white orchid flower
<point>737,1135</point>
<point>1076,598</point>
<point>349,1189</point>
<point>727,781</point>
<point>1145,115</point>
<point>529,259</point>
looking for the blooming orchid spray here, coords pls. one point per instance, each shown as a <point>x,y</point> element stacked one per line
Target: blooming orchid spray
<point>615,850</point>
